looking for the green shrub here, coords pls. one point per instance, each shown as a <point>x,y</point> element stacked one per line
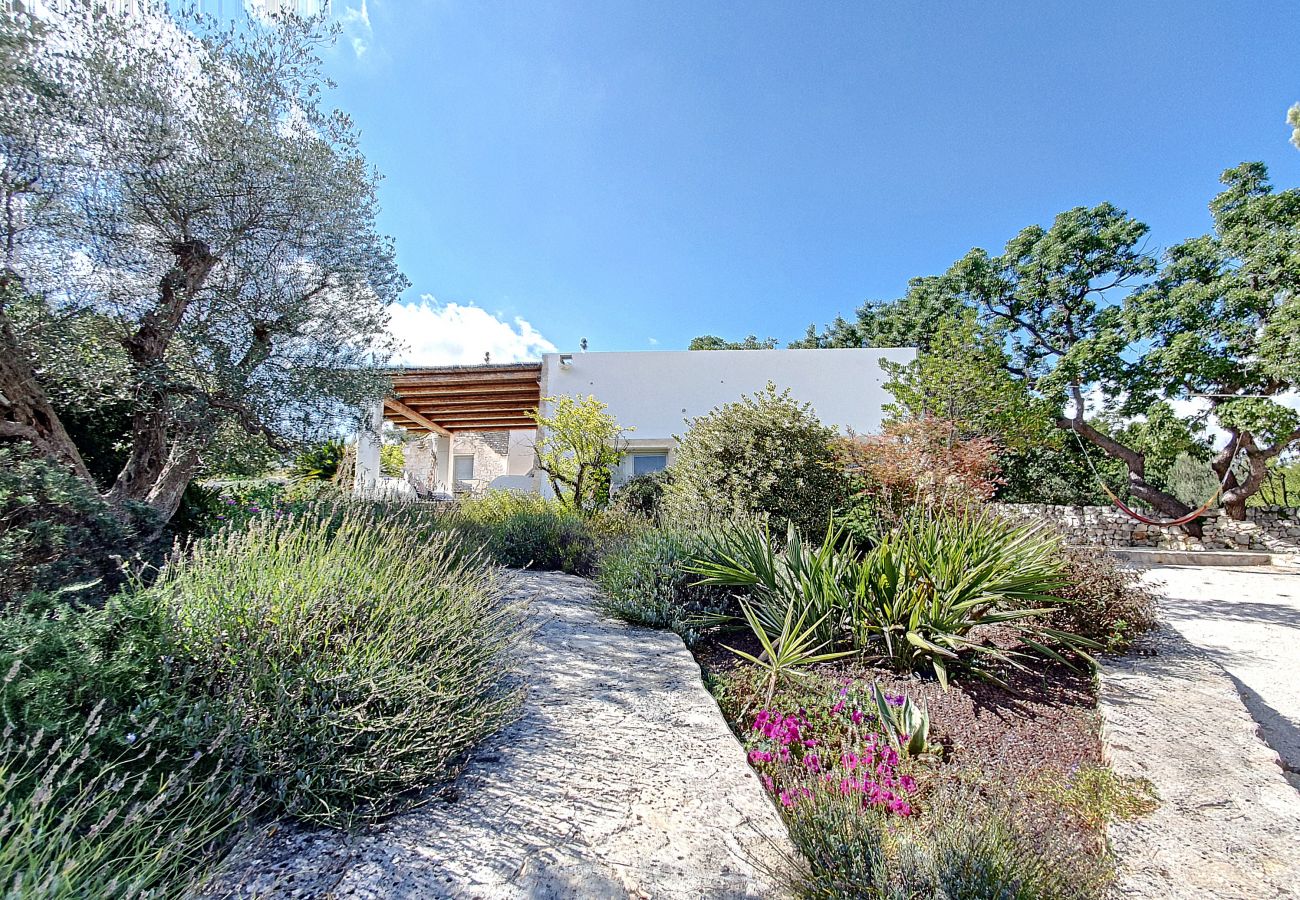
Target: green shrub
<point>56,531</point>
<point>766,456</point>
<point>121,660</point>
<point>526,531</point>
<point>357,660</point>
<point>643,494</point>
<point>207,506</point>
<point>852,852</point>
<point>1107,603</point>
<point>916,600</point>
<point>105,723</point>
<point>930,584</point>
<point>982,842</point>
<point>645,582</point>
<point>969,842</point>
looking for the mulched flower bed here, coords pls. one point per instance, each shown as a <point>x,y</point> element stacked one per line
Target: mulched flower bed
<point>1048,719</point>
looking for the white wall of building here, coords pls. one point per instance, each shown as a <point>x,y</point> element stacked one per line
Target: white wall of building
<point>657,391</point>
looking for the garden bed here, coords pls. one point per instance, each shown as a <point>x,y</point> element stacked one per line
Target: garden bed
<point>1047,719</point>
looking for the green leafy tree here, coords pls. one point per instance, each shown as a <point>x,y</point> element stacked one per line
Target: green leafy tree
<point>963,380</point>
<point>713,342</point>
<point>223,220</point>
<point>1055,293</point>
<point>910,321</point>
<point>764,455</point>
<point>578,444</point>
<point>1222,326</point>
<point>391,460</point>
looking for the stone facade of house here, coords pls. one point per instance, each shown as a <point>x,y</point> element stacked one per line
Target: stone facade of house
<point>1271,529</point>
<point>489,449</point>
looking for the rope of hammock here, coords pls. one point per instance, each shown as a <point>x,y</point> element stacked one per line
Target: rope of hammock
<point>1134,514</point>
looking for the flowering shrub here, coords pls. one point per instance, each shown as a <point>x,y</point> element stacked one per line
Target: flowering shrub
<point>840,750</point>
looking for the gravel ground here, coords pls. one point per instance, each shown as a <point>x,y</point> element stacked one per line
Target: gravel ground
<point>1228,824</point>
<point>620,779</point>
<point>1247,621</point>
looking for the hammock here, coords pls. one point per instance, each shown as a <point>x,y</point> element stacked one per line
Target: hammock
<point>1134,514</point>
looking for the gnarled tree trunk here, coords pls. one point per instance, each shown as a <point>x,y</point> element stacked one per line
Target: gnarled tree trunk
<point>1166,504</point>
<point>25,410</point>
<point>152,461</point>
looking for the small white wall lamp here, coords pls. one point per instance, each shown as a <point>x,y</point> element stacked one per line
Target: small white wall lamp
<point>566,360</point>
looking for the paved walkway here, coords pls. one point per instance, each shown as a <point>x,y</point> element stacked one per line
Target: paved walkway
<point>1179,712</point>
<point>620,779</point>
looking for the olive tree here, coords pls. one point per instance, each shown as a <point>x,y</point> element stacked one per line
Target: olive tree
<point>192,189</point>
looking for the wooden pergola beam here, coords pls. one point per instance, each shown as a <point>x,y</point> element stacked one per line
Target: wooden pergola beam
<point>532,389</point>
<point>437,412</point>
<point>500,426</point>
<point>501,414</point>
<point>402,409</point>
<point>405,381</point>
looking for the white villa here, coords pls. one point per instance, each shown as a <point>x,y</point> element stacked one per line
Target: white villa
<point>475,431</point>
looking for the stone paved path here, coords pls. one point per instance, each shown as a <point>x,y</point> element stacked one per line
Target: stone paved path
<point>620,779</point>
<point>1176,712</point>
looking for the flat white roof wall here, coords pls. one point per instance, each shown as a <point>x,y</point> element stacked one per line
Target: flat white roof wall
<point>657,391</point>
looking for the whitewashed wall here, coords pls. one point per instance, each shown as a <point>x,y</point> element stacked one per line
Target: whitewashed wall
<point>656,392</point>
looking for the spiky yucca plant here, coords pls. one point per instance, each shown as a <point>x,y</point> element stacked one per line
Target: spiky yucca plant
<point>933,581</point>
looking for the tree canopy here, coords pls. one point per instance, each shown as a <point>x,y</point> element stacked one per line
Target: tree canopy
<point>187,199</point>
<point>713,342</point>
<point>1078,326</point>
<point>1221,325</point>
<point>910,321</point>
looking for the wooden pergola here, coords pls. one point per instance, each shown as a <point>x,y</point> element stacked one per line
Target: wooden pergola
<point>446,399</point>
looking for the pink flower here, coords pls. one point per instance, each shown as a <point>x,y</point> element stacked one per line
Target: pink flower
<point>908,783</point>
<point>812,762</point>
<point>856,716</point>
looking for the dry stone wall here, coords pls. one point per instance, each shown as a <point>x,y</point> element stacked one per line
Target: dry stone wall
<point>1271,529</point>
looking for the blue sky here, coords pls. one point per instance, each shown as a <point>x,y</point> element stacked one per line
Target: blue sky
<point>638,174</point>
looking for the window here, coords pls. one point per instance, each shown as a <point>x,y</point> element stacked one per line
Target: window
<point>645,463</point>
<point>462,468</point>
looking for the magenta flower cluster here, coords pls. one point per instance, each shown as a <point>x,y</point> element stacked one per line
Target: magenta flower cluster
<point>795,763</point>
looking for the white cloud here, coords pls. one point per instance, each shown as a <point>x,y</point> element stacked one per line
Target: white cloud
<point>441,334</point>
<point>654,342</point>
<point>356,27</point>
